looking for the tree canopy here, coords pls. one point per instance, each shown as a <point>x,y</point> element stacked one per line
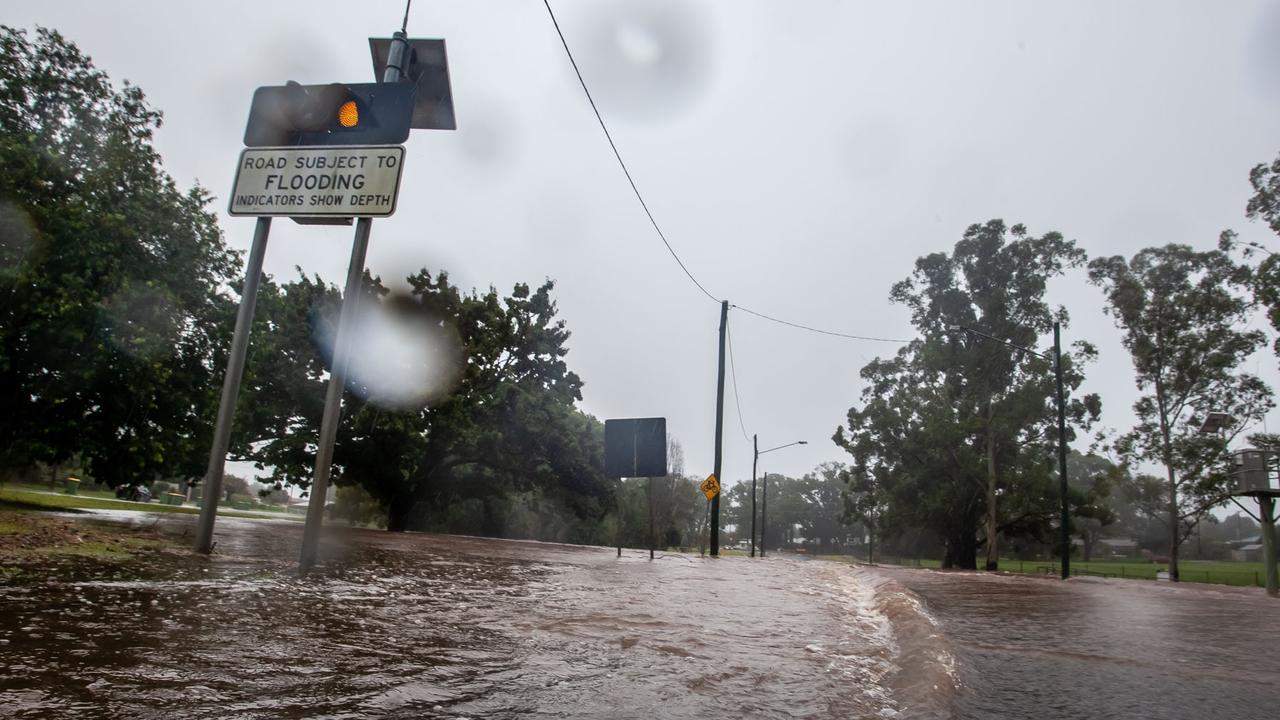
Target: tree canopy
<point>957,431</point>
<point>112,310</point>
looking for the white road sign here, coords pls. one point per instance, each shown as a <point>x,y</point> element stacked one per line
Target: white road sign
<point>341,181</point>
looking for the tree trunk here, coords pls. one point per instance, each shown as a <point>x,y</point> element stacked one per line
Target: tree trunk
<point>1167,452</point>
<point>961,551</point>
<point>398,512</point>
<point>493,520</point>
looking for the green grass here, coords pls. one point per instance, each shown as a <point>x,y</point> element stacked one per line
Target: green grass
<point>1205,571</point>
<point>47,501</point>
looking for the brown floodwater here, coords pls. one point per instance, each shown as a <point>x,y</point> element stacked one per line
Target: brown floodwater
<point>428,626</point>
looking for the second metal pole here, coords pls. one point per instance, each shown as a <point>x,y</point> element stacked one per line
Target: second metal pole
<point>333,396</point>
<point>231,389</point>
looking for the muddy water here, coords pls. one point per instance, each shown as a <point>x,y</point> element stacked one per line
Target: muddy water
<point>424,626</point>
<point>415,626</point>
<point>1095,648</point>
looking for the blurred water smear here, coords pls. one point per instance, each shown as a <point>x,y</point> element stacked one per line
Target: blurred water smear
<point>648,62</point>
<point>402,356</point>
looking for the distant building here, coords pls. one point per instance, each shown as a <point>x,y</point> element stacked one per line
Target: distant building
<point>1247,553</point>
<point>1122,547</point>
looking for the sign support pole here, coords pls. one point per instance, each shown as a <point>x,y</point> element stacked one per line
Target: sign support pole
<point>231,389</point>
<point>333,396</point>
<point>652,539</point>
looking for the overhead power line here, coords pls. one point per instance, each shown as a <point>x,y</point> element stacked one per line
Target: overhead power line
<point>733,375</point>
<point>818,330</point>
<point>618,155</point>
<point>653,221</point>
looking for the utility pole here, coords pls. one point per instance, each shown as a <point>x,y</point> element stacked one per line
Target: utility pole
<point>714,528</point>
<point>1062,452</point>
<point>764,511</point>
<point>231,389</point>
<point>755,460</point>
<point>342,347</point>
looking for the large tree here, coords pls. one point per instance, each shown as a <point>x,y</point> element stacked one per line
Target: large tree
<point>959,429</point>
<point>501,420</point>
<point>1184,322</point>
<point>112,317</point>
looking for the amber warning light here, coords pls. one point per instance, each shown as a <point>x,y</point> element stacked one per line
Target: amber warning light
<point>349,114</point>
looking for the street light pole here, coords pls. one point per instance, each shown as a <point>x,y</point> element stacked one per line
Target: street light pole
<point>1065,536</point>
<point>764,527</point>
<point>1062,451</point>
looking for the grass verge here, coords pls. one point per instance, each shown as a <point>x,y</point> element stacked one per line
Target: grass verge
<point>33,499</point>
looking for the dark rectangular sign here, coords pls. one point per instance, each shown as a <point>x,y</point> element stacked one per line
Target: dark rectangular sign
<point>635,447</point>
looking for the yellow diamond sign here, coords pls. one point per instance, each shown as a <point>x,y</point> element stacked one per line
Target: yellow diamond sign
<point>710,487</point>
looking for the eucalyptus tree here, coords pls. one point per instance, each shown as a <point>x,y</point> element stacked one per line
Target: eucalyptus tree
<point>957,429</point>
<point>1183,315</point>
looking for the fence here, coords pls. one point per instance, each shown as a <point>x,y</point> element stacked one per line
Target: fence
<point>1187,572</point>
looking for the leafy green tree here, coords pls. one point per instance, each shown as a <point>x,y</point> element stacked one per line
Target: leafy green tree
<point>1263,205</point>
<point>1183,319</point>
<point>865,501</point>
<point>504,426</point>
<point>960,430</point>
<point>822,492</point>
<point>1091,480</point>
<point>112,320</point>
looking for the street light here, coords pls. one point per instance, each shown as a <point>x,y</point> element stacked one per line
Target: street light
<point>1062,428</point>
<point>755,446</point>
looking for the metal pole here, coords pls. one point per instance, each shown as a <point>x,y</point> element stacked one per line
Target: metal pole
<point>617,529</point>
<point>755,459</point>
<point>1267,506</point>
<point>333,396</point>
<point>231,388</point>
<point>395,56</point>
<point>652,539</point>
<point>764,510</point>
<point>714,528</point>
<point>1062,451</point>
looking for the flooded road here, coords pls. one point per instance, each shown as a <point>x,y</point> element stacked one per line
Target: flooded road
<point>1105,648</point>
<point>421,626</point>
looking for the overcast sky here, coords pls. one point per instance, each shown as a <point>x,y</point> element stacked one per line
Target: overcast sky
<point>799,155</point>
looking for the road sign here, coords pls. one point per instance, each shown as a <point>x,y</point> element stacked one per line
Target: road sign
<point>710,487</point>
<point>635,447</point>
<point>352,181</point>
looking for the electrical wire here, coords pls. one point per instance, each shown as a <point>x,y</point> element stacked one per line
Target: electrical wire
<point>820,331</point>
<point>654,222</point>
<point>618,155</point>
<point>733,375</point>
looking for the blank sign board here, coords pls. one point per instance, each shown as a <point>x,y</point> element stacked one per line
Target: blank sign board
<point>635,447</point>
